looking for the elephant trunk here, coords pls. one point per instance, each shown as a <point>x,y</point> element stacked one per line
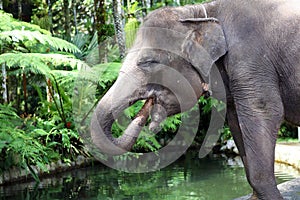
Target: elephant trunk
<point>111,105</point>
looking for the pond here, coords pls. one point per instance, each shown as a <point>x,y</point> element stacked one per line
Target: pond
<point>188,178</point>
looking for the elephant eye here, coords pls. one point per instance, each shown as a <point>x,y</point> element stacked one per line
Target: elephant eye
<point>146,62</point>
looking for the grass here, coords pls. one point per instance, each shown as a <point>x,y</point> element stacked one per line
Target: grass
<point>289,140</point>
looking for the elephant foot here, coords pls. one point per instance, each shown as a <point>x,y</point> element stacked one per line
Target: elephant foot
<point>254,196</point>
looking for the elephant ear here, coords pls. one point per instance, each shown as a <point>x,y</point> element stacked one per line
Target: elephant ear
<point>204,46</point>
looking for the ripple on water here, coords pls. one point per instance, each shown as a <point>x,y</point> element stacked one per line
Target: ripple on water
<point>285,172</point>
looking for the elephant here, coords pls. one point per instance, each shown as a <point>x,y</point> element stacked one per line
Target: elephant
<point>255,46</point>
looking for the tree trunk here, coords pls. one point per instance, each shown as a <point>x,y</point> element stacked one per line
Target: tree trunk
<point>4,83</point>
<point>50,14</point>
<point>67,20</point>
<point>75,17</point>
<point>25,94</point>
<point>100,19</point>
<point>17,93</point>
<point>144,7</point>
<point>20,9</point>
<point>119,27</point>
<point>1,4</point>
<point>48,92</point>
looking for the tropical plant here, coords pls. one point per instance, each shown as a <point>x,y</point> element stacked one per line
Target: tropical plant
<point>16,147</point>
<point>31,54</point>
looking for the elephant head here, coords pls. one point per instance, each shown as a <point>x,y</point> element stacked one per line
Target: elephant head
<point>168,66</point>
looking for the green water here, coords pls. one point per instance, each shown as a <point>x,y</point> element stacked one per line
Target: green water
<point>189,178</point>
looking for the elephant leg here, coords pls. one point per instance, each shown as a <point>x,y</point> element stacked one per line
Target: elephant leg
<point>237,134</point>
<point>260,114</point>
<point>234,127</point>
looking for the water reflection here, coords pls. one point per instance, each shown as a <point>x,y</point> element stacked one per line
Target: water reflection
<point>188,178</point>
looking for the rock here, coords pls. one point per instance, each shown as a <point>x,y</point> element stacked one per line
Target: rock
<point>230,147</point>
<point>236,161</point>
<point>288,154</point>
<point>17,174</point>
<point>290,190</point>
<point>14,173</point>
<point>6,176</point>
<point>52,167</point>
<point>80,160</point>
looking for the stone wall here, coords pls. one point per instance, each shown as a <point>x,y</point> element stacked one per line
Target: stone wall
<point>16,174</point>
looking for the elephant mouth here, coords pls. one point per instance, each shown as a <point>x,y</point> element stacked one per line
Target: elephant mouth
<point>149,109</point>
<point>155,107</point>
<point>101,132</point>
<point>143,114</point>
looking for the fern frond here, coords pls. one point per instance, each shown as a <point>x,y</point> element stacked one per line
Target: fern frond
<point>60,59</point>
<point>39,63</point>
<point>107,72</point>
<point>101,74</point>
<point>54,42</point>
<point>8,23</point>
<point>26,62</point>
<point>65,77</point>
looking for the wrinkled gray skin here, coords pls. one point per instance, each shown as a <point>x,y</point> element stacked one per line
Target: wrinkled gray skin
<point>256,47</point>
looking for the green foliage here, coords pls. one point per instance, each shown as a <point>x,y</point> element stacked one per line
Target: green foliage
<point>36,141</point>
<point>38,63</point>
<point>40,15</point>
<point>49,134</point>
<point>106,73</point>
<point>209,103</point>
<point>225,134</point>
<point>18,147</point>
<point>83,21</point>
<point>8,23</point>
<point>287,131</point>
<point>33,39</point>
<point>131,28</point>
<point>170,125</point>
<point>86,44</point>
<point>132,23</point>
